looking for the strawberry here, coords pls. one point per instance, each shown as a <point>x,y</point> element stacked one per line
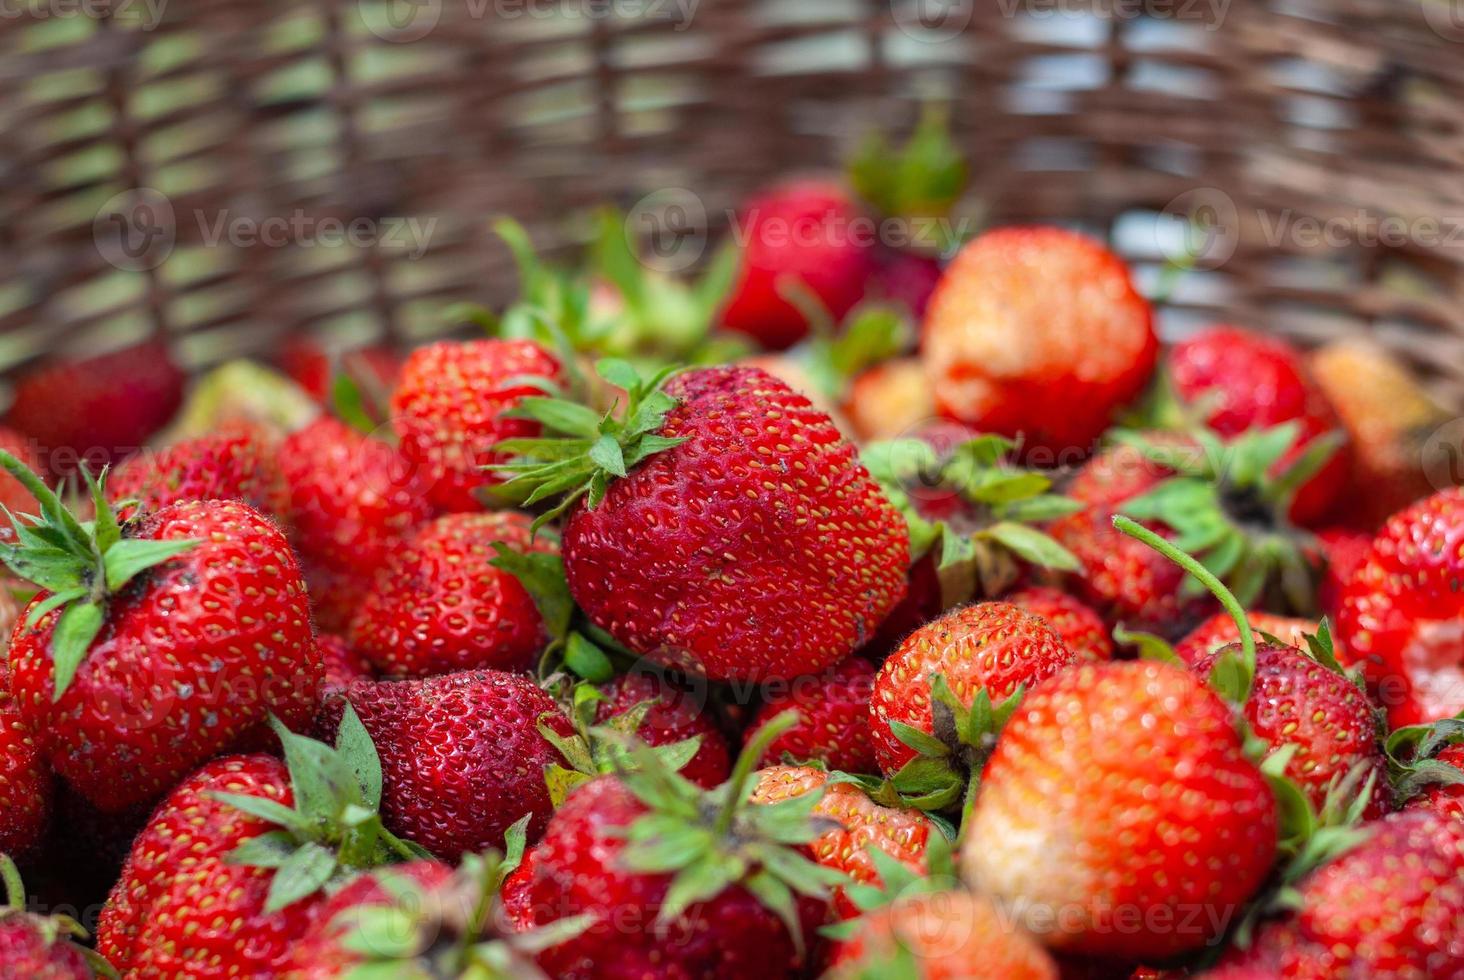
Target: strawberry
<point>25,779</point>
<point>311,366</point>
<point>890,400</point>
<point>944,935</point>
<point>722,526</point>
<point>342,664</point>
<point>236,463</point>
<point>1445,796</point>
<point>38,946</point>
<point>197,630</point>
<point>352,499</point>
<point>804,234</point>
<point>1426,763</point>
<point>672,715</point>
<point>833,718</point>
<point>439,604</point>
<point>453,403</point>
<point>1220,631</point>
<point>676,881</point>
<point>1119,799</point>
<point>1235,380</point>
<point>98,409</point>
<point>906,278</point>
<point>1400,614</point>
<point>229,870</point>
<point>862,825</point>
<point>1345,550</point>
<point>1079,627</point>
<point>937,695</point>
<point>1039,333</point>
<point>1388,417</point>
<point>1389,908</point>
<point>462,755</point>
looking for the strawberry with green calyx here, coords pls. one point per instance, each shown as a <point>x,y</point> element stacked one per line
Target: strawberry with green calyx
<point>599,749</point>
<point>894,880</point>
<point>922,179</point>
<point>1229,504</point>
<point>972,510</point>
<point>1426,765</point>
<point>421,921</point>
<point>47,947</point>
<point>678,881</point>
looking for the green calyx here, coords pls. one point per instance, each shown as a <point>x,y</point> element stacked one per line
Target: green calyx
<point>896,882</point>
<point>80,563</point>
<point>454,931</point>
<point>973,509</point>
<point>52,929</point>
<point>921,179</point>
<point>1412,762</point>
<point>1229,507</point>
<point>711,840</point>
<point>334,829</point>
<point>597,750</point>
<point>589,449</point>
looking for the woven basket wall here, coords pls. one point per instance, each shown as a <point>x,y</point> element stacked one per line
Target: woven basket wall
<point>1260,114</point>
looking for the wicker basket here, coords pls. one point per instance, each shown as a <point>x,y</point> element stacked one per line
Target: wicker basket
<point>1320,140</point>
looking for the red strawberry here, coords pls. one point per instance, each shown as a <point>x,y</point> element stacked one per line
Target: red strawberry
<point>99,408</point>
<point>1402,613</point>
<point>1247,380</point>
<point>342,664</point>
<point>25,779</point>
<point>439,604</point>
<point>450,407</point>
<point>1080,628</point>
<point>1345,551</point>
<point>946,935</point>
<point>906,278</point>
<point>675,881</point>
<point>1038,332</point>
<point>1390,908</point>
<point>833,718</point>
<point>1446,798</point>
<point>1220,631</point>
<point>861,824</point>
<point>352,499</point>
<point>36,946</point>
<point>228,872</point>
<point>236,463</point>
<point>991,648</point>
<point>806,233</point>
<point>1119,800</point>
<point>461,756</point>
<point>744,542</point>
<point>199,631</point>
<point>673,716</point>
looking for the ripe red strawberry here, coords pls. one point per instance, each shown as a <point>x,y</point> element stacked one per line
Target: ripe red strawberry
<point>38,946</point>
<point>25,779</point>
<point>676,881</point>
<point>744,542</point>
<point>833,718</point>
<point>199,631</point>
<point>352,499</point>
<point>1120,796</point>
<point>808,233</point>
<point>906,278</point>
<point>228,872</point>
<point>1389,908</point>
<point>1038,332</point>
<point>1079,627</point>
<point>1242,381</point>
<point>945,935</point>
<point>99,408</point>
<point>1220,631</point>
<point>991,648</point>
<point>461,755</point>
<point>673,716</point>
<point>1402,613</point>
<point>860,822</point>
<point>439,604</point>
<point>237,462</point>
<point>451,406</point>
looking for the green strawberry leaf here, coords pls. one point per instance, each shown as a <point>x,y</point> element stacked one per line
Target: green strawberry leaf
<point>302,874</point>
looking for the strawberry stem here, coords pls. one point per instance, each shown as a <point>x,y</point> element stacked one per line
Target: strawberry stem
<point>14,887</point>
<point>750,759</point>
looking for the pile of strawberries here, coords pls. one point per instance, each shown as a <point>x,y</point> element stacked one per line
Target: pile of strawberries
<point>840,611</point>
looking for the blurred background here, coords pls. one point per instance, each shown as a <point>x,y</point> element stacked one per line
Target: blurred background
<point>225,173</point>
